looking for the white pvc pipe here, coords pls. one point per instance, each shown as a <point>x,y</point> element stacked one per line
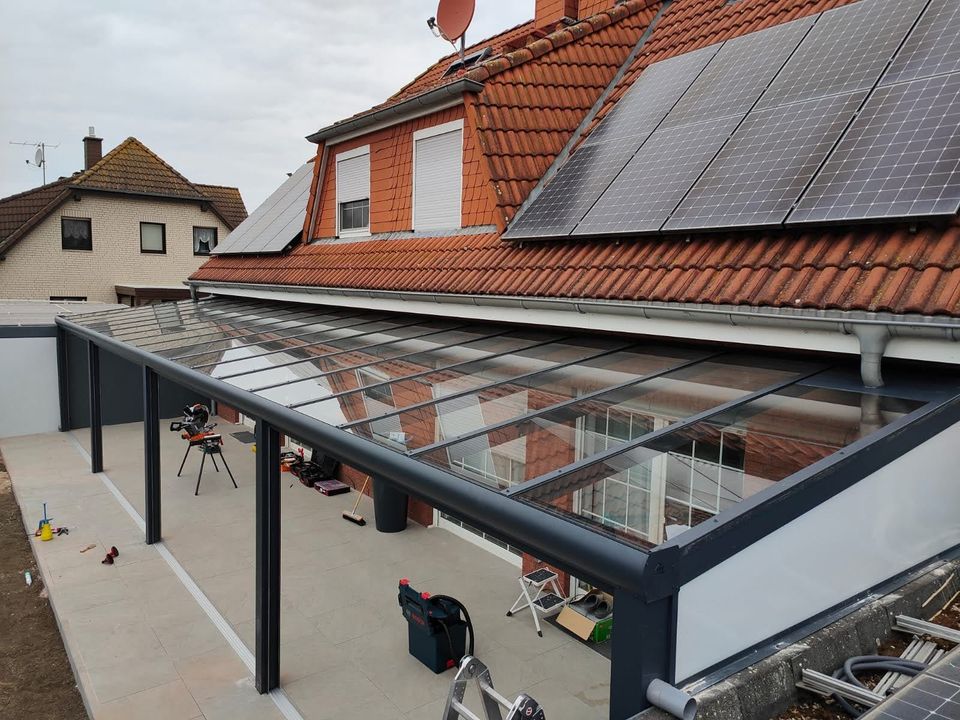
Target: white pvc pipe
<point>674,701</point>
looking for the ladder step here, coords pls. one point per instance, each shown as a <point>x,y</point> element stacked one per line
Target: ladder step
<point>548,602</point>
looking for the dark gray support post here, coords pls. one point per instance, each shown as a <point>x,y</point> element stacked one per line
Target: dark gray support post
<point>63,379</point>
<point>268,557</point>
<point>151,453</point>
<point>642,650</point>
<point>96,420</point>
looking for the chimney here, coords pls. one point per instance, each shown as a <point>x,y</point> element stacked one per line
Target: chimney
<point>551,13</point>
<point>92,149</point>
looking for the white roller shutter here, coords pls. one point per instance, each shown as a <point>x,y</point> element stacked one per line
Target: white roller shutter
<point>438,177</point>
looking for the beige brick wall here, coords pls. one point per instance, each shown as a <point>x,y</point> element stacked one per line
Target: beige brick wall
<point>37,267</point>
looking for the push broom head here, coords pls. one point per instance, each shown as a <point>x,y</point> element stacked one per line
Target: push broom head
<point>354,517</point>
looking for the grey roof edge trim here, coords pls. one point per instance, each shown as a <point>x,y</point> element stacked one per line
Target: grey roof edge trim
<point>844,320</point>
<point>602,560</point>
<point>400,111</point>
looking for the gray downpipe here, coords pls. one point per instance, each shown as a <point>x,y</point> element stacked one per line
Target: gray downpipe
<point>670,699</point>
<point>873,343</point>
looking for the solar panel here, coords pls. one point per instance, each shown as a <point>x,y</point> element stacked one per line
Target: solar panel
<point>933,47</point>
<point>846,50</point>
<point>764,168</point>
<point>588,172</point>
<point>573,190</point>
<point>656,179</point>
<point>899,158</point>
<point>738,74</point>
<point>934,695</point>
<point>276,222</point>
<point>649,99</point>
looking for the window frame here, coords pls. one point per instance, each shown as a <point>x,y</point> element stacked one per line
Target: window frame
<point>350,155</point>
<point>89,222</point>
<point>433,131</point>
<point>216,239</point>
<point>163,237</point>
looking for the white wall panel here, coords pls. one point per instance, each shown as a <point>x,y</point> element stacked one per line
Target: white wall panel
<point>898,517</point>
<point>29,401</point>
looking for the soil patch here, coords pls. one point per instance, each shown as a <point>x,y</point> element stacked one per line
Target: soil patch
<point>36,679</point>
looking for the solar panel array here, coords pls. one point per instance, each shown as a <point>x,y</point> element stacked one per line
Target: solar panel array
<point>277,222</point>
<point>934,695</point>
<point>565,201</point>
<point>846,115</point>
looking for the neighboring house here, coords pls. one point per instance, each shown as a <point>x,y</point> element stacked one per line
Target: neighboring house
<point>129,228</point>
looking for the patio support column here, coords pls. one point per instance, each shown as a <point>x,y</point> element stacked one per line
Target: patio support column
<point>268,557</point>
<point>642,650</point>
<point>63,379</point>
<point>96,420</point>
<point>151,453</point>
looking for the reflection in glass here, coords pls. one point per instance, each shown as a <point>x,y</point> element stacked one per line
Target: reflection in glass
<point>677,480</point>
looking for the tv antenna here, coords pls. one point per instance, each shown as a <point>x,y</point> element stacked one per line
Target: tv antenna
<point>451,22</point>
<point>40,156</point>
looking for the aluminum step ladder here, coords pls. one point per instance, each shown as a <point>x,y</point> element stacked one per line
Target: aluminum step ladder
<point>471,669</point>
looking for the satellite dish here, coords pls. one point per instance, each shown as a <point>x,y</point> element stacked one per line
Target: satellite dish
<point>454,17</point>
<point>38,158</point>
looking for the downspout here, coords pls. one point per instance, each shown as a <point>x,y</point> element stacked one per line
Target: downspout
<point>873,343</point>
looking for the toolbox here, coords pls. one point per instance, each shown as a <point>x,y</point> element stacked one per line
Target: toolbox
<point>436,632</point>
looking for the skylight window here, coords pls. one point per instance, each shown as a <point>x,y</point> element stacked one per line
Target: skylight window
<point>468,62</point>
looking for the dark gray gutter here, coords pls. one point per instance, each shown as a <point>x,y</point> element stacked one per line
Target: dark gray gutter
<point>601,560</point>
<point>395,113</point>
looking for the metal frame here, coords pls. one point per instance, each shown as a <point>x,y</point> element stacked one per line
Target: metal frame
<point>267,673</point>
<point>96,417</point>
<point>645,583</point>
<point>63,378</point>
<point>151,454</point>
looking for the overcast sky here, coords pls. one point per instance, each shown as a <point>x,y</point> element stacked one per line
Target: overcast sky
<point>224,91</point>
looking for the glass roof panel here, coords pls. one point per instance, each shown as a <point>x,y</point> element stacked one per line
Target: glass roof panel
<point>301,366</point>
<point>506,453</point>
<point>683,477</point>
<point>371,390</point>
<point>525,386</point>
<point>233,335</point>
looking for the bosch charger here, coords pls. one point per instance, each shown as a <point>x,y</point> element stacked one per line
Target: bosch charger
<point>436,631</point>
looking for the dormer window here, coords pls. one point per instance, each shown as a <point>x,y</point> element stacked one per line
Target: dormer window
<point>353,192</point>
<point>438,177</point>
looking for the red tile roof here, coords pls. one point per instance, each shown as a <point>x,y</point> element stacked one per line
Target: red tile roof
<point>130,168</point>
<point>877,269</point>
<point>883,267</point>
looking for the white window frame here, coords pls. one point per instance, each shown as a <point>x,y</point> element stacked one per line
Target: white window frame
<point>432,131</point>
<point>349,155</point>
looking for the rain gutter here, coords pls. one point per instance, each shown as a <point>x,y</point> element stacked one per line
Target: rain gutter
<point>430,101</point>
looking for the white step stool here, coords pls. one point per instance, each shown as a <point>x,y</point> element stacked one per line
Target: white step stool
<point>546,601</point>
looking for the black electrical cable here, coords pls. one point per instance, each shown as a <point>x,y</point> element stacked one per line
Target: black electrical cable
<point>466,617</point>
<point>872,663</point>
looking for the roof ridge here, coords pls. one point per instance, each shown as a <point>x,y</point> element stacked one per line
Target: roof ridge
<point>557,39</point>
<point>215,185</point>
<point>111,156</point>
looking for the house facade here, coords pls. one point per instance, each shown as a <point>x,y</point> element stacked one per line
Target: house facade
<point>129,228</point>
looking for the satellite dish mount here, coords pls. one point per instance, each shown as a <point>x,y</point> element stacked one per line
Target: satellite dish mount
<point>451,22</point>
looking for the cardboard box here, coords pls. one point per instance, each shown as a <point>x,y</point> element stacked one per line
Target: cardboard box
<point>586,627</point>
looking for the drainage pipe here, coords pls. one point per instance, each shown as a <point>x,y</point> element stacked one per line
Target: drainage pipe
<point>671,700</point>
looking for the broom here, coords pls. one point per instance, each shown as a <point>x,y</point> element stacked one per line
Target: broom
<point>353,516</point>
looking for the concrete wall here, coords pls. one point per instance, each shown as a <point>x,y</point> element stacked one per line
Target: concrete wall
<point>38,267</point>
<point>28,386</point>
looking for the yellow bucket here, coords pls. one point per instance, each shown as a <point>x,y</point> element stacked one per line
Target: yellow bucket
<point>46,532</point>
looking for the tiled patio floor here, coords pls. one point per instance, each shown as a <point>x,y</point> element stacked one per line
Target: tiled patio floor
<point>143,647</point>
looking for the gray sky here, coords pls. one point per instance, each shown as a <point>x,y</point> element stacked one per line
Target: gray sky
<point>223,91</point>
